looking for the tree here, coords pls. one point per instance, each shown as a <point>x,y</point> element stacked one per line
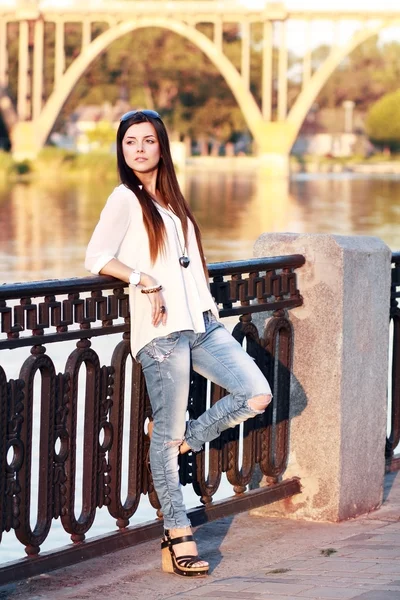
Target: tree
<point>383,121</point>
<point>370,71</point>
<point>102,136</point>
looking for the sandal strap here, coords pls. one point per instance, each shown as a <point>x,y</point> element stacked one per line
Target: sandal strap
<point>187,561</point>
<point>181,540</point>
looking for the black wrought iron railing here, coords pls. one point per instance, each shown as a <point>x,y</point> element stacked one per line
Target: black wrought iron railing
<point>49,315</point>
<point>393,439</point>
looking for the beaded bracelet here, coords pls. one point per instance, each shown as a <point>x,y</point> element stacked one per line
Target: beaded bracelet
<point>151,290</point>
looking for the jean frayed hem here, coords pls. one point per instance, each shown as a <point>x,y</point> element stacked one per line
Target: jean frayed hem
<point>192,446</point>
<point>175,525</point>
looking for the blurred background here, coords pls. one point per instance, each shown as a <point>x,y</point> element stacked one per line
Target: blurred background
<point>344,169</point>
<point>333,71</point>
<point>343,165</point>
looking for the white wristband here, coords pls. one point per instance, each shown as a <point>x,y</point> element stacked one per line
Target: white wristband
<point>134,277</point>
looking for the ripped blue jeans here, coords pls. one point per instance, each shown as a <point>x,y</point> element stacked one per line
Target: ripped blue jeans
<point>165,361</point>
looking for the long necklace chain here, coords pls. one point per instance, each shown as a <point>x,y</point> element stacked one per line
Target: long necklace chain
<point>184,260</point>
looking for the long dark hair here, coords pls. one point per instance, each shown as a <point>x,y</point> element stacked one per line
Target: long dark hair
<point>166,183</point>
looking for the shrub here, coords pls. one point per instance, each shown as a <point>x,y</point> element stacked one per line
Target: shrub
<point>22,167</point>
<point>6,162</point>
<point>383,121</point>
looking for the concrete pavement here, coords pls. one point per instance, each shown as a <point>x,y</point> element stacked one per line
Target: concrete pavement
<point>252,558</point>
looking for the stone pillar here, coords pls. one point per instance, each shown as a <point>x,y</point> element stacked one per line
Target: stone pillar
<point>86,33</point>
<point>3,53</point>
<point>218,34</point>
<point>307,63</point>
<point>282,74</point>
<point>339,374</point>
<point>274,164</point>
<point>59,62</point>
<point>25,142</point>
<point>178,153</point>
<point>266,96</point>
<point>23,71</point>
<point>272,143</point>
<point>245,70</point>
<point>38,58</point>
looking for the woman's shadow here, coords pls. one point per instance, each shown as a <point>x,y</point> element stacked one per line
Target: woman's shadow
<point>289,401</point>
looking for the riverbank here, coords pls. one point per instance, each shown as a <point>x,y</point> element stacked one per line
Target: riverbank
<point>57,163</point>
<point>378,164</point>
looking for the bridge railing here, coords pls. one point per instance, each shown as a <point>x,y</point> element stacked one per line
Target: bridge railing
<point>393,438</point>
<point>101,392</point>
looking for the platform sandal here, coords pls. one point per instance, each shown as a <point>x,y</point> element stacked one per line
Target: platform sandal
<point>181,565</point>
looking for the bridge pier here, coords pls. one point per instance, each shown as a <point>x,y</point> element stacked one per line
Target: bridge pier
<point>25,141</point>
<point>273,164</point>
<point>273,144</point>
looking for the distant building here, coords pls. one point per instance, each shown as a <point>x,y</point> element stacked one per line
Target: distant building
<point>323,133</point>
<point>85,119</point>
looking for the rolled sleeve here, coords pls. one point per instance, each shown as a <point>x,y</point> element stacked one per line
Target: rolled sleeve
<point>109,232</point>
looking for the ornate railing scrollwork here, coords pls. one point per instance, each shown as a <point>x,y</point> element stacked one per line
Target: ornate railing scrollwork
<point>393,439</point>
<point>42,315</point>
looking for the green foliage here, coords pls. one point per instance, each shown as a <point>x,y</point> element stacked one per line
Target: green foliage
<point>6,162</point>
<point>22,167</point>
<point>97,164</point>
<point>60,163</point>
<point>383,121</point>
<point>102,136</point>
<point>370,71</point>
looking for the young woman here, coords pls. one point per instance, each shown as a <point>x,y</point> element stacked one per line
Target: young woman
<point>148,237</point>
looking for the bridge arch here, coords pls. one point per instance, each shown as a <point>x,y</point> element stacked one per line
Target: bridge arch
<point>308,95</point>
<point>273,138</point>
<point>54,104</point>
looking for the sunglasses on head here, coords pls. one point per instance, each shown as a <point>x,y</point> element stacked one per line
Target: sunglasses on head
<point>132,113</point>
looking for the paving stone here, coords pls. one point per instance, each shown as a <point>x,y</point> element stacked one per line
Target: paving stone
<point>382,569</point>
<point>231,595</point>
<point>210,589</point>
<point>378,595</point>
<point>228,597</point>
<point>365,567</point>
<point>374,547</point>
<point>363,537</point>
<point>236,585</point>
<point>332,592</point>
<point>354,575</point>
<point>282,588</point>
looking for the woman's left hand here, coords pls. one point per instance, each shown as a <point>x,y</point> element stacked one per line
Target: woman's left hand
<point>158,309</point>
<point>156,299</point>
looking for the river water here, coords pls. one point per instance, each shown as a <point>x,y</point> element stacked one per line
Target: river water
<point>45,226</point>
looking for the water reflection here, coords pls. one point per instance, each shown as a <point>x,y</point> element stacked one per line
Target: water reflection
<point>45,225</point>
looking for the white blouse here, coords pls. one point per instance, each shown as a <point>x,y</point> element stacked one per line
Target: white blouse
<point>120,233</point>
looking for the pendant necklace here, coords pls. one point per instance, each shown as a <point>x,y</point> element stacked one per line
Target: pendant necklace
<point>184,260</point>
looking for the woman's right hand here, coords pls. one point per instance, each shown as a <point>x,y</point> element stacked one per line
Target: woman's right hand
<point>156,299</point>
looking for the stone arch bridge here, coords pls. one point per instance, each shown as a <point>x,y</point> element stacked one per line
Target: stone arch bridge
<point>274,132</point>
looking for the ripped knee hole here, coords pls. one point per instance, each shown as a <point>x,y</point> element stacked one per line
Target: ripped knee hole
<point>260,402</point>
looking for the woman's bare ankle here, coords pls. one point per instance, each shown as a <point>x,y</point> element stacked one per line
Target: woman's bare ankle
<point>178,531</point>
